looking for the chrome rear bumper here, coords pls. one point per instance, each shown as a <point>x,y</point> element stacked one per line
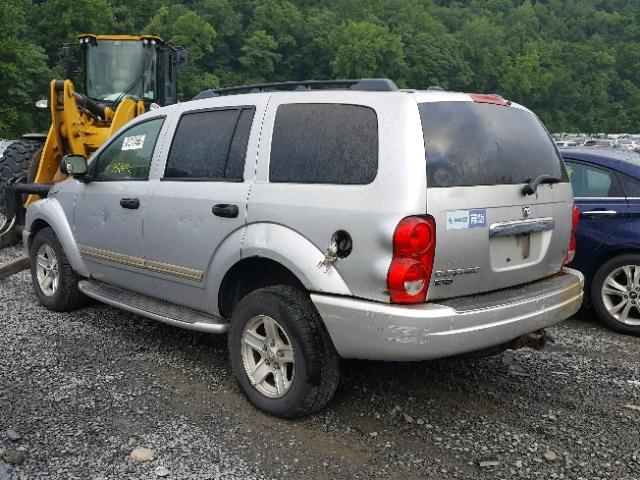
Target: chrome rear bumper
<point>377,331</point>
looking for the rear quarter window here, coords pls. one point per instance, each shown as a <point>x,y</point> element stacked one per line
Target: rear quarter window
<point>469,143</point>
<point>324,143</point>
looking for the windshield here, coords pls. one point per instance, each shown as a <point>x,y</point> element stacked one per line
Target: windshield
<point>121,68</point>
<point>470,143</point>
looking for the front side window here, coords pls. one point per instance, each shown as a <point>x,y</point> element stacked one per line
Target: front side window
<point>210,145</point>
<point>129,156</point>
<point>324,143</point>
<point>588,181</point>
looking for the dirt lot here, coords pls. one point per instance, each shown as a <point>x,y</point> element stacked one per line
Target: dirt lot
<point>80,391</point>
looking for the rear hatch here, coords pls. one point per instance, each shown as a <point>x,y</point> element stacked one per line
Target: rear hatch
<point>489,234</point>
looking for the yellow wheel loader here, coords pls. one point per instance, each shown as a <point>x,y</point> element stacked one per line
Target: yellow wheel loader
<point>124,76</point>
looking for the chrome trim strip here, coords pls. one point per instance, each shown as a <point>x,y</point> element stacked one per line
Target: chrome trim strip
<point>151,265</point>
<point>506,229</point>
<point>600,199</point>
<point>599,212</point>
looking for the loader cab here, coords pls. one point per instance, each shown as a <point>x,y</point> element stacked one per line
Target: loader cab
<point>140,67</point>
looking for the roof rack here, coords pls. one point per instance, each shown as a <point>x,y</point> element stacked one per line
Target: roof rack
<point>363,84</point>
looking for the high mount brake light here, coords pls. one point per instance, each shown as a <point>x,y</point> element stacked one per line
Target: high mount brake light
<point>488,98</point>
<point>414,242</point>
<point>571,251</point>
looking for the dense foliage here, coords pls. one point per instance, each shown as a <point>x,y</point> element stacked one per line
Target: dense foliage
<point>575,62</point>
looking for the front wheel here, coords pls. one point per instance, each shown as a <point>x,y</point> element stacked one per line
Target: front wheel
<point>615,293</point>
<point>281,353</point>
<point>53,279</point>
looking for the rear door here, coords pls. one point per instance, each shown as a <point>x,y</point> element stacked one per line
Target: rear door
<point>603,210</point>
<point>200,201</point>
<point>491,235</point>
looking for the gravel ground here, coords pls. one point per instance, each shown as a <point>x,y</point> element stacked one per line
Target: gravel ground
<point>82,390</point>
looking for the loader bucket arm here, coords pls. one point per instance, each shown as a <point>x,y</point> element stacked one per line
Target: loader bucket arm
<point>77,127</point>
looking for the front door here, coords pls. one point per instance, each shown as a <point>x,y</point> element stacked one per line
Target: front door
<point>108,215</point>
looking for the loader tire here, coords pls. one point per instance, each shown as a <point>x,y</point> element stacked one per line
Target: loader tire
<point>14,165</point>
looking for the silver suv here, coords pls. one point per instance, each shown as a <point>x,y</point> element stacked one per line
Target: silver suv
<point>316,223</point>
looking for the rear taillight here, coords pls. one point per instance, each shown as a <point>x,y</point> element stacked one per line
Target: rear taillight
<point>571,251</point>
<point>414,243</point>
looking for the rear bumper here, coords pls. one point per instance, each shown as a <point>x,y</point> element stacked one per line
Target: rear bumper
<point>377,331</point>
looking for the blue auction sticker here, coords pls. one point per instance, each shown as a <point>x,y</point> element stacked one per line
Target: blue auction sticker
<point>464,219</point>
<point>478,218</point>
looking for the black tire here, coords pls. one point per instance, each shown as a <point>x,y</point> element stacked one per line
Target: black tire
<point>634,295</point>
<point>14,165</point>
<point>67,296</point>
<point>317,365</point>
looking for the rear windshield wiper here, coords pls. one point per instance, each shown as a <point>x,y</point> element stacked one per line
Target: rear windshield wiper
<point>532,184</point>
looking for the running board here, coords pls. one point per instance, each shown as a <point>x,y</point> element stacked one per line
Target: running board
<point>153,308</point>
<point>14,266</point>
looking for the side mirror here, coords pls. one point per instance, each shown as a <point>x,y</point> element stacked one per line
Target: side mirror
<point>74,165</point>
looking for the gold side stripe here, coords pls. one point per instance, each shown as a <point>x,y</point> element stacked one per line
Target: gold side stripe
<point>176,270</point>
<point>151,265</point>
<point>111,256</point>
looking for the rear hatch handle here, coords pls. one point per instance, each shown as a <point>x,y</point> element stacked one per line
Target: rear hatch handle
<point>533,183</point>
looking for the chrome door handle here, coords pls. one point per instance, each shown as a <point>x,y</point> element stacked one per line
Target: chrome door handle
<point>602,213</point>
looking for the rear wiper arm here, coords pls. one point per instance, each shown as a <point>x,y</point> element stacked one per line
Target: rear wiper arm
<point>532,184</point>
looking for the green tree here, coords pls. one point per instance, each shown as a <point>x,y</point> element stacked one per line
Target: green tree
<point>24,75</point>
<point>365,49</point>
<point>259,56</point>
<point>60,21</point>
<point>182,26</point>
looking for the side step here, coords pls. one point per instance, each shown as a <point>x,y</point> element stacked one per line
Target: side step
<point>153,308</point>
<point>14,266</point>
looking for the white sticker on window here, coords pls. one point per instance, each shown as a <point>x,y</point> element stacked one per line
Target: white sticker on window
<point>133,143</point>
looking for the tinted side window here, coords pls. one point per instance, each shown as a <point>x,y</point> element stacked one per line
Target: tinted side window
<point>201,145</point>
<point>324,143</point>
<point>590,181</point>
<point>129,156</point>
<point>630,185</point>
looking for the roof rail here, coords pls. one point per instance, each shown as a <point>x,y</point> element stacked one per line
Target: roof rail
<point>364,84</point>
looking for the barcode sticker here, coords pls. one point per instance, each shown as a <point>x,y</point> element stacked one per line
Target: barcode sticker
<point>133,143</point>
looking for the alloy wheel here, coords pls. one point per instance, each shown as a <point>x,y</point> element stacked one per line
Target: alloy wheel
<point>267,355</point>
<point>621,294</point>
<point>48,272</point>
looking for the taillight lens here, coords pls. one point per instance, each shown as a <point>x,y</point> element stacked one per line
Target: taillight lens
<point>413,250</point>
<point>571,251</point>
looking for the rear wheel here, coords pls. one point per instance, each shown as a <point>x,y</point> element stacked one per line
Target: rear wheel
<point>615,293</point>
<point>281,353</point>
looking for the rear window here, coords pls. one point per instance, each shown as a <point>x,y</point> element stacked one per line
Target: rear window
<point>324,143</point>
<point>469,143</point>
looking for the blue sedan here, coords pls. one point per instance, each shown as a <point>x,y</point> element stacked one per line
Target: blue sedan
<point>606,187</point>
